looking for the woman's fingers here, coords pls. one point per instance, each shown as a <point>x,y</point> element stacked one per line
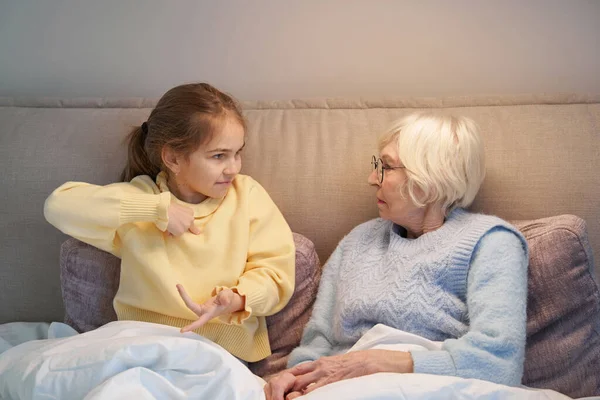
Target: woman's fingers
<point>303,368</point>
<point>279,386</point>
<point>316,385</point>
<point>303,381</point>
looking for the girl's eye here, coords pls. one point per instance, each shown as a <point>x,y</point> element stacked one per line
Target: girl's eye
<point>218,156</point>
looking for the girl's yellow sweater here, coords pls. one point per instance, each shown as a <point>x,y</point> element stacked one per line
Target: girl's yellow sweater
<point>245,245</point>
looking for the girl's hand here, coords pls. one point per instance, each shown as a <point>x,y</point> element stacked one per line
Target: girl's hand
<point>181,220</point>
<point>225,302</point>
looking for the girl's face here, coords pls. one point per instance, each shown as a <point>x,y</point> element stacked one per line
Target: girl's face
<point>209,171</point>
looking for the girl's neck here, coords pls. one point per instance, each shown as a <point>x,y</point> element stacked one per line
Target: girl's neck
<point>183,192</point>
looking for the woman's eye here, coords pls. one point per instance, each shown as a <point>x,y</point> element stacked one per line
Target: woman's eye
<point>218,156</point>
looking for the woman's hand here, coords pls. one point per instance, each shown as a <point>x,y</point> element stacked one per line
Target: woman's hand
<point>315,374</point>
<point>181,220</point>
<point>279,385</point>
<point>225,302</point>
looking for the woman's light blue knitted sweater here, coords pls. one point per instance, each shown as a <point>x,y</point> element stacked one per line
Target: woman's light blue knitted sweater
<point>464,284</point>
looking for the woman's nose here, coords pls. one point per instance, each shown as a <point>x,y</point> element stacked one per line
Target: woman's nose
<point>372,179</point>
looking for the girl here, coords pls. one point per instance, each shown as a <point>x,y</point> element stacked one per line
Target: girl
<point>184,214</point>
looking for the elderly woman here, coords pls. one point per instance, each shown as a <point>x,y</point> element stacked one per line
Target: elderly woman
<point>427,267</point>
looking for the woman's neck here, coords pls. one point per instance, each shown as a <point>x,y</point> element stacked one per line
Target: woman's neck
<point>432,218</point>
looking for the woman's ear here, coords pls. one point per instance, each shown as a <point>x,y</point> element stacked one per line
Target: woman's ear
<point>170,159</point>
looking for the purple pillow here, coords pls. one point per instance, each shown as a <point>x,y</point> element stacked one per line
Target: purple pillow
<point>89,279</point>
<point>563,308</point>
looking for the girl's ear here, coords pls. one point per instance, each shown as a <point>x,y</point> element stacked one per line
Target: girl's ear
<point>170,159</point>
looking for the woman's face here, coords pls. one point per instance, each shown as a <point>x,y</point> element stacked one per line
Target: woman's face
<point>392,204</point>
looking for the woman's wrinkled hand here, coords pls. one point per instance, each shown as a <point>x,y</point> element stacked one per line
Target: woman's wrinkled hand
<point>315,374</point>
<point>306,377</point>
<point>225,302</point>
<point>279,387</point>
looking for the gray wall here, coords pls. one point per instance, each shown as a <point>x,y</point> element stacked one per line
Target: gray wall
<point>289,49</point>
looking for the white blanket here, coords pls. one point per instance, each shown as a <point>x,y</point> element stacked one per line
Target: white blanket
<point>136,360</point>
<point>125,360</point>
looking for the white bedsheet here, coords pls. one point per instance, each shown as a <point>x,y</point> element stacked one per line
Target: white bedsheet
<point>136,360</point>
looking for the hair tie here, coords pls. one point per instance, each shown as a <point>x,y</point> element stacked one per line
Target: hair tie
<point>145,128</point>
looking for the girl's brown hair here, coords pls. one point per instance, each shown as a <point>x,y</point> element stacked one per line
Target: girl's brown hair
<point>184,118</point>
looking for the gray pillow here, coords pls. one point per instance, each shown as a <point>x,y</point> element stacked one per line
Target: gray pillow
<point>563,308</point>
<point>89,279</point>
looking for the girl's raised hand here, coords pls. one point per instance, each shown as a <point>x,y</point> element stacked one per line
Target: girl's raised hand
<point>181,220</point>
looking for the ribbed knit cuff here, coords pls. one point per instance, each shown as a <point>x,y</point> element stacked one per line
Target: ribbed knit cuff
<point>146,208</point>
<point>436,362</point>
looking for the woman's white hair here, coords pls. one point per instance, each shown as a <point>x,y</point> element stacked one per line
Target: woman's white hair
<point>443,156</point>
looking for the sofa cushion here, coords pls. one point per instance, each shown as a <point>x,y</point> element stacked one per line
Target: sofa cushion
<point>90,279</point>
<point>563,309</point>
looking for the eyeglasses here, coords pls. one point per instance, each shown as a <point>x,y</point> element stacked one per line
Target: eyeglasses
<point>380,168</point>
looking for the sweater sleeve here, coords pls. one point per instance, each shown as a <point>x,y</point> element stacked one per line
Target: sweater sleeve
<point>267,283</point>
<point>494,347</point>
<point>317,338</point>
<point>93,213</point>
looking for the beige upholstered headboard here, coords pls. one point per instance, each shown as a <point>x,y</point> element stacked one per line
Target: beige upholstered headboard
<point>542,152</point>
<point>543,157</point>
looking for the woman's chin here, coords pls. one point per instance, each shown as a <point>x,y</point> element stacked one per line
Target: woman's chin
<point>383,214</point>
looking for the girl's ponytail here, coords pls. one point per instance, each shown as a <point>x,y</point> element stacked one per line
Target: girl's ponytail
<point>138,162</point>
